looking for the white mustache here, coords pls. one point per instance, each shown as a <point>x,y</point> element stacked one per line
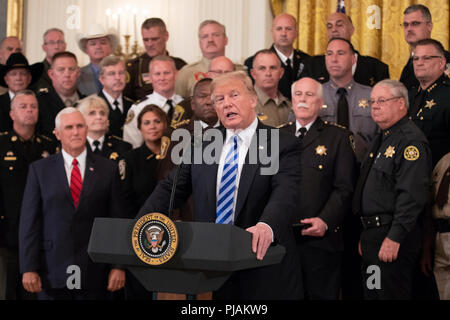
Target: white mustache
<point>302,105</point>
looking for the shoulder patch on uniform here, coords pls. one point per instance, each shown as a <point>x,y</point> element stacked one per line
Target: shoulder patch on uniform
<point>122,169</point>
<point>180,123</point>
<point>352,142</point>
<point>130,117</point>
<point>411,153</point>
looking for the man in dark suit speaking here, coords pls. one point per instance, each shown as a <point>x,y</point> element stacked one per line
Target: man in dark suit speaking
<point>63,195</point>
<point>236,190</point>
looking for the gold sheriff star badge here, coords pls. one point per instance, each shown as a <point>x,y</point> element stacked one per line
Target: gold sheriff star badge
<point>430,104</point>
<point>321,150</point>
<point>390,151</point>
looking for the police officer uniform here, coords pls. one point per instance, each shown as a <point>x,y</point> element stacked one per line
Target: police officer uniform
<point>15,157</point>
<point>360,118</point>
<point>138,85</point>
<point>117,115</point>
<point>329,173</point>
<point>180,112</point>
<point>368,70</point>
<point>50,104</point>
<point>292,71</point>
<point>272,112</point>
<point>109,146</point>
<point>390,196</point>
<point>430,111</point>
<point>408,78</point>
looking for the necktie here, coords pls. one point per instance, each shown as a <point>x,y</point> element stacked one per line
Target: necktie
<point>365,168</point>
<point>342,112</point>
<point>302,132</point>
<point>170,112</point>
<point>97,147</point>
<point>225,200</point>
<point>289,69</point>
<point>117,109</point>
<point>442,194</point>
<point>75,182</point>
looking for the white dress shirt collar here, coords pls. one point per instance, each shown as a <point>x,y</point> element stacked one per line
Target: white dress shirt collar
<point>91,142</point>
<point>68,163</point>
<point>284,58</point>
<point>111,100</point>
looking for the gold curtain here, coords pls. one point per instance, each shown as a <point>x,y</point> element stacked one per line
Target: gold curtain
<point>14,18</point>
<point>383,40</point>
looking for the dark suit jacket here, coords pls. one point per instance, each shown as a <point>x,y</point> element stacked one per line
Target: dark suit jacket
<point>5,106</point>
<point>368,71</point>
<point>261,198</point>
<point>284,86</point>
<point>53,234</point>
<point>49,105</point>
<point>116,123</point>
<point>328,181</point>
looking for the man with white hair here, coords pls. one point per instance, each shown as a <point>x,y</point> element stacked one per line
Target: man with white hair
<point>328,171</point>
<point>63,195</point>
<point>97,44</point>
<point>391,195</point>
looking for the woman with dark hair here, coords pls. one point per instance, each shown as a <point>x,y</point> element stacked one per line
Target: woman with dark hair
<point>142,168</point>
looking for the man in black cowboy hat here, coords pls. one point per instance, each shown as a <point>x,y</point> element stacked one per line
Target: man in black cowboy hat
<point>16,75</point>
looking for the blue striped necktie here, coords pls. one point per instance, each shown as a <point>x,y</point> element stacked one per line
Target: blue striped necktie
<point>225,199</point>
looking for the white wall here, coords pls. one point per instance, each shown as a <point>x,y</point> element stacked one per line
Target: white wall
<point>247,23</point>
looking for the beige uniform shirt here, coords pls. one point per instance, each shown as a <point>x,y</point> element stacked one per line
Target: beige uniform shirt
<point>189,75</point>
<point>272,112</point>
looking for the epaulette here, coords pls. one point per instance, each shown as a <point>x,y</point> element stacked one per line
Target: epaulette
<point>46,138</point>
<point>179,124</point>
<point>335,124</point>
<point>116,137</point>
<point>128,99</point>
<point>284,125</point>
<point>4,133</point>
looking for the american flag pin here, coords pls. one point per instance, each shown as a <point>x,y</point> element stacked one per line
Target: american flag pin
<point>91,169</point>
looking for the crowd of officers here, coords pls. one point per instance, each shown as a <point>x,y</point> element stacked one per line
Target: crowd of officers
<point>395,137</point>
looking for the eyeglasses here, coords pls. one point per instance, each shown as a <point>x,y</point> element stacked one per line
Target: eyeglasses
<point>424,58</point>
<point>52,43</point>
<point>413,24</point>
<point>381,101</point>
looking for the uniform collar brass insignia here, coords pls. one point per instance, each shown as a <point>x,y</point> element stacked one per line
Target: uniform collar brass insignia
<point>321,150</point>
<point>430,104</point>
<point>38,140</point>
<point>390,151</point>
<point>262,117</point>
<point>109,144</point>
<point>45,154</point>
<point>372,81</point>
<point>14,138</point>
<point>363,103</point>
<point>113,156</point>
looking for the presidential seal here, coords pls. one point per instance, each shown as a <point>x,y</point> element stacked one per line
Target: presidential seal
<point>154,239</point>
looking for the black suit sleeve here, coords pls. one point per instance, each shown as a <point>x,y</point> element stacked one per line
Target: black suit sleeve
<point>278,210</point>
<point>345,169</point>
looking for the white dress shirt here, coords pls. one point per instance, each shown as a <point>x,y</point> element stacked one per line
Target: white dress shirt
<point>283,58</point>
<point>68,163</point>
<point>298,126</point>
<point>111,101</point>
<point>91,142</point>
